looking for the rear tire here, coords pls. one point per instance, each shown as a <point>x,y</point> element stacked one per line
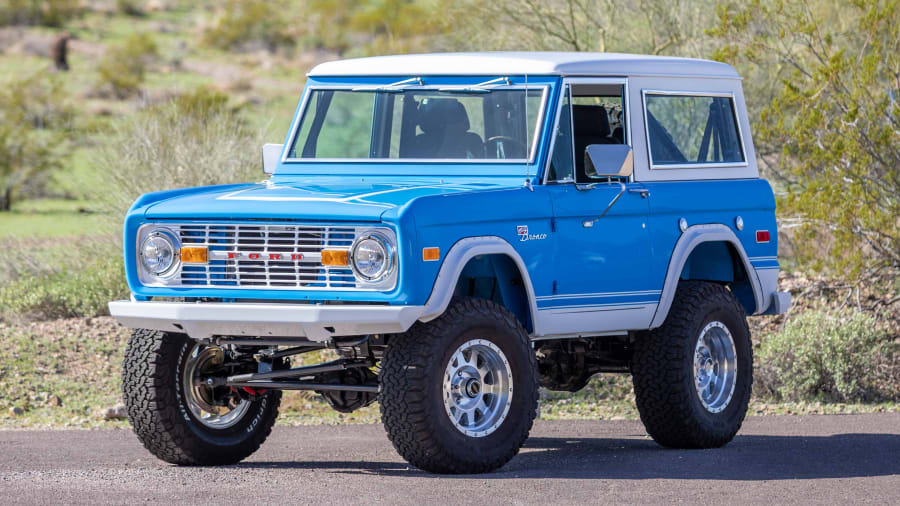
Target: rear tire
<point>690,390</point>
<point>459,394</point>
<point>153,388</point>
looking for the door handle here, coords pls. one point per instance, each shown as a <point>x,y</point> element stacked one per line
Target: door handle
<point>643,191</point>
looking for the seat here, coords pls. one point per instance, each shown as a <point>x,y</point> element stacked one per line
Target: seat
<point>618,133</point>
<point>445,131</point>
<point>591,124</point>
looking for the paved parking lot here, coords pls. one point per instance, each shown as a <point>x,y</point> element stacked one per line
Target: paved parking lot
<point>808,459</point>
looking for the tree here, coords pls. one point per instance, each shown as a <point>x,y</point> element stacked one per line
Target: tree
<point>32,113</point>
<point>647,26</point>
<point>833,126</point>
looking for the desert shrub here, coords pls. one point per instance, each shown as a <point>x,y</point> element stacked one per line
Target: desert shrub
<point>194,139</point>
<point>53,13</point>
<point>72,292</point>
<point>34,112</point>
<point>129,8</point>
<point>245,24</point>
<point>123,67</point>
<point>827,356</point>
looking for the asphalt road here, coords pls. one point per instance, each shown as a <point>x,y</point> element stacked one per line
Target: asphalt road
<point>803,459</point>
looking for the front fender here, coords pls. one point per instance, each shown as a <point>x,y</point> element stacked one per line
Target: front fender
<point>454,262</point>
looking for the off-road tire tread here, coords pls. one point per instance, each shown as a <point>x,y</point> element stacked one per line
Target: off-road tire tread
<point>659,376</point>
<point>404,376</point>
<point>148,389</point>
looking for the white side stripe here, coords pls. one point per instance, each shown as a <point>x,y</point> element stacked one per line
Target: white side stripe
<point>598,295</point>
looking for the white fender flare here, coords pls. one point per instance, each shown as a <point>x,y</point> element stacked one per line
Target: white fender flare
<point>689,240</point>
<point>454,262</point>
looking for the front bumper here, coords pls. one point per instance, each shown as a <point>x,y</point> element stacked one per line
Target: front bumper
<point>202,320</point>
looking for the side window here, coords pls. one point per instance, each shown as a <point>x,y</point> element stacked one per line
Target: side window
<point>591,114</point>
<point>692,130</point>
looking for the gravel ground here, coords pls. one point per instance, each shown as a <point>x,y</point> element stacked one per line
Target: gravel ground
<point>783,459</point>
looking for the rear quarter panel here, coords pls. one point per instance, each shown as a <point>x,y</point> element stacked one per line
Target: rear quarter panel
<point>705,202</point>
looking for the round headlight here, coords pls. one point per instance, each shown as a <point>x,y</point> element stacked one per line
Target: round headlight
<point>158,253</point>
<point>371,258</point>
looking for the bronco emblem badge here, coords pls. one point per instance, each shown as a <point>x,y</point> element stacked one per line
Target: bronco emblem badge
<point>522,232</point>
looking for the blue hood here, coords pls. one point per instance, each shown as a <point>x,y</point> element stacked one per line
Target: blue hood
<point>312,200</point>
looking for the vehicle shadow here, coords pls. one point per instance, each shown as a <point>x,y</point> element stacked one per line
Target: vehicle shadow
<point>747,458</point>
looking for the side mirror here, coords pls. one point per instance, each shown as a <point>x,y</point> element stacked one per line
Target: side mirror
<point>271,153</point>
<point>608,160</point>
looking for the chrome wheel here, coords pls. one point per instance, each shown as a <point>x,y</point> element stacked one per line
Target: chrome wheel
<point>715,367</point>
<point>477,388</point>
<point>208,404</point>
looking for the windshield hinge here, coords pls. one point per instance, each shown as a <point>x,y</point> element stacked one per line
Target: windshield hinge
<point>398,86</point>
<point>484,87</point>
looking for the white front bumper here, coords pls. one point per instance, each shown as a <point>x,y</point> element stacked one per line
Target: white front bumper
<point>202,320</point>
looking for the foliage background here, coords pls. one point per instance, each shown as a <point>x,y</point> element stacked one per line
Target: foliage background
<point>171,93</point>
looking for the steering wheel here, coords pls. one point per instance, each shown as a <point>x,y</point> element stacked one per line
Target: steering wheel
<point>501,144</point>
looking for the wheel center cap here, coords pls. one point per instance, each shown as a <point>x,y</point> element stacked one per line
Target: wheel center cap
<point>473,388</point>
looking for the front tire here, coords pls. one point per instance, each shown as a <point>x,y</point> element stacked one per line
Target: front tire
<point>693,375</point>
<point>459,394</point>
<point>166,409</point>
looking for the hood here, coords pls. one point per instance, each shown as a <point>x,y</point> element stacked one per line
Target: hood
<point>303,200</point>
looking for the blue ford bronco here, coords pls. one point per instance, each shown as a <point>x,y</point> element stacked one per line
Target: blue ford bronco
<point>462,229</point>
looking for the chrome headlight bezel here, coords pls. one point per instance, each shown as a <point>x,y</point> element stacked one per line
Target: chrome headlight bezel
<point>146,276</point>
<point>386,277</point>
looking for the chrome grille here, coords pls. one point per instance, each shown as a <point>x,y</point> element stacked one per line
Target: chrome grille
<point>265,256</point>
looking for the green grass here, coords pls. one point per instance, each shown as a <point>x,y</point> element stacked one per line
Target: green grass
<point>48,218</point>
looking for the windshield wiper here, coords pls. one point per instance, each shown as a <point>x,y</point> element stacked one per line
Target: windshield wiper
<point>484,87</point>
<point>393,87</point>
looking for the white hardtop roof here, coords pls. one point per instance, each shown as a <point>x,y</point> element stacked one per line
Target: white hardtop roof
<point>521,63</point>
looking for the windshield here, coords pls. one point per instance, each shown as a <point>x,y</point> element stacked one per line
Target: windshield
<point>486,124</point>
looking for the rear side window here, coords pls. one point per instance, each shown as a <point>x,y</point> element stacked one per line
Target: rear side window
<point>692,130</point>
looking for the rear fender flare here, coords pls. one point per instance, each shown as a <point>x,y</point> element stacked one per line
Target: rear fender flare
<point>690,239</point>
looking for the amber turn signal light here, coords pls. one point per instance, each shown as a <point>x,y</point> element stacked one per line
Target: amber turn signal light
<point>431,254</point>
<point>193,255</point>
<point>334,257</point>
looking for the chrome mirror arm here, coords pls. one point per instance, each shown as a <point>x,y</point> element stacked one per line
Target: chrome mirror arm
<point>590,223</point>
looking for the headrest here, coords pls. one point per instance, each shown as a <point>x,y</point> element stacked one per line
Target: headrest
<point>436,114</point>
<point>590,120</point>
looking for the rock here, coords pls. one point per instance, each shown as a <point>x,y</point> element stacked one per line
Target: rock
<point>116,412</point>
<point>16,411</point>
<point>54,401</point>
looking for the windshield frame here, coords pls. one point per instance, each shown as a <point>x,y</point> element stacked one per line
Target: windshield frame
<point>302,110</point>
